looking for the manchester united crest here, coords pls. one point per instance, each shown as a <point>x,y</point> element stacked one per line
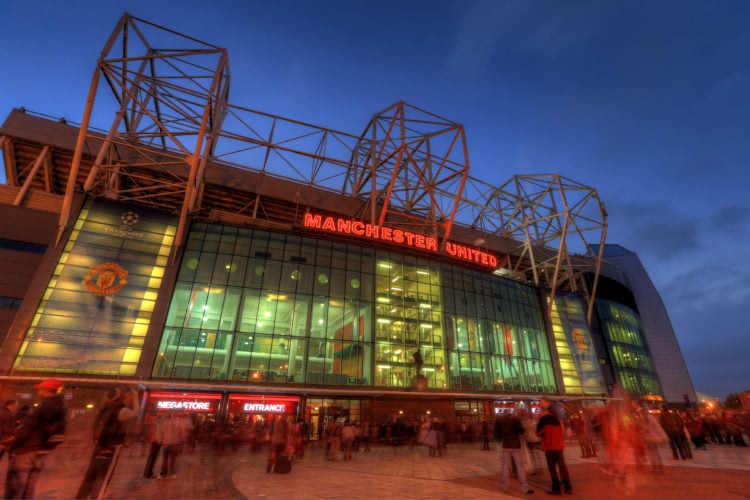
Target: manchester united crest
<point>106,279</point>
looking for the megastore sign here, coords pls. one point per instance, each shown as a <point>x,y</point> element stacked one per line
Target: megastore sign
<point>349,227</point>
<point>190,402</point>
<point>184,405</point>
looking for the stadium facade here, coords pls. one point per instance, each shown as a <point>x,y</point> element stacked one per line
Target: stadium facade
<point>230,262</point>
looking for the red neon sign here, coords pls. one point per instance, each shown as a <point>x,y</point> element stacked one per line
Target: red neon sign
<point>176,401</point>
<point>394,236</point>
<point>261,404</point>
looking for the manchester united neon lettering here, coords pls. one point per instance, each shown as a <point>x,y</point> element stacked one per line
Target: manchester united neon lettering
<point>397,237</point>
<point>370,231</point>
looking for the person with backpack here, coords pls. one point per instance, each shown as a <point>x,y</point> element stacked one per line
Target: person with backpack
<point>39,433</point>
<point>109,436</point>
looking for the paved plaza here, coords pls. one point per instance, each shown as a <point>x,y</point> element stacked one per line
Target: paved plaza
<point>386,472</point>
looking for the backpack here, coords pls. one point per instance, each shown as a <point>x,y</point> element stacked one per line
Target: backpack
<point>108,428</point>
<point>53,432</point>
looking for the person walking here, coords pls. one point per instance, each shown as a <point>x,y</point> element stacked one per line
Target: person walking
<point>653,436</point>
<point>299,434</point>
<point>279,435</point>
<point>153,426</point>
<point>584,433</point>
<point>366,435</point>
<point>508,436</point>
<point>674,426</point>
<point>39,433</point>
<point>485,434</point>
<point>696,430</point>
<point>550,430</point>
<point>171,437</point>
<point>334,439</point>
<point>109,436</point>
<point>7,424</point>
<point>347,439</point>
<point>439,426</point>
<point>534,461</point>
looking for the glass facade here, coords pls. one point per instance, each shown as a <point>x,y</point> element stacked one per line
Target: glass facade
<point>495,334</point>
<point>96,309</point>
<point>408,319</point>
<point>579,363</point>
<point>632,364</point>
<point>256,306</point>
<point>252,305</point>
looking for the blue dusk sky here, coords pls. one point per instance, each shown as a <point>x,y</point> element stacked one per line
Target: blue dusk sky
<point>648,102</point>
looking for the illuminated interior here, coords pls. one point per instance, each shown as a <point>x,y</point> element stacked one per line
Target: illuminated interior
<point>262,307</point>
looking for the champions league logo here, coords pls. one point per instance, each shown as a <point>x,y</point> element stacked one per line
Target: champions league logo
<point>129,218</point>
<point>125,229</point>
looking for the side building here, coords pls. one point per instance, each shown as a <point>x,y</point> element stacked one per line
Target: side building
<point>658,333</point>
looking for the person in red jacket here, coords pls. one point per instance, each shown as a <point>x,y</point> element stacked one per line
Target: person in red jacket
<point>550,430</point>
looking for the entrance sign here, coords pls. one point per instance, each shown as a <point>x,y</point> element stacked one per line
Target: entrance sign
<point>256,403</point>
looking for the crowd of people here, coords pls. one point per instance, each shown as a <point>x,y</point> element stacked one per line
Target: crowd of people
<point>626,435</point>
<point>29,434</point>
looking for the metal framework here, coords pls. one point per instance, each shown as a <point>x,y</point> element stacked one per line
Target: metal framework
<point>172,123</point>
<point>560,224</point>
<point>170,95</point>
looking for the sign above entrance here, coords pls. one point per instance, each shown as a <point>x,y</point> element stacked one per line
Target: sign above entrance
<point>262,404</point>
<point>177,401</point>
<point>349,227</point>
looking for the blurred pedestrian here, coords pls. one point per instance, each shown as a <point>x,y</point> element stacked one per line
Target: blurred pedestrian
<point>673,425</point>
<point>41,431</point>
<point>734,430</point>
<point>696,430</point>
<point>653,436</point>
<point>440,427</point>
<point>109,436</point>
<point>534,461</point>
<point>550,430</point>
<point>152,429</point>
<point>366,435</point>
<point>171,436</point>
<point>7,424</point>
<point>485,434</point>
<point>584,433</point>
<point>299,435</point>
<point>509,438</point>
<point>279,437</point>
<point>333,430</point>
<point>347,439</point>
